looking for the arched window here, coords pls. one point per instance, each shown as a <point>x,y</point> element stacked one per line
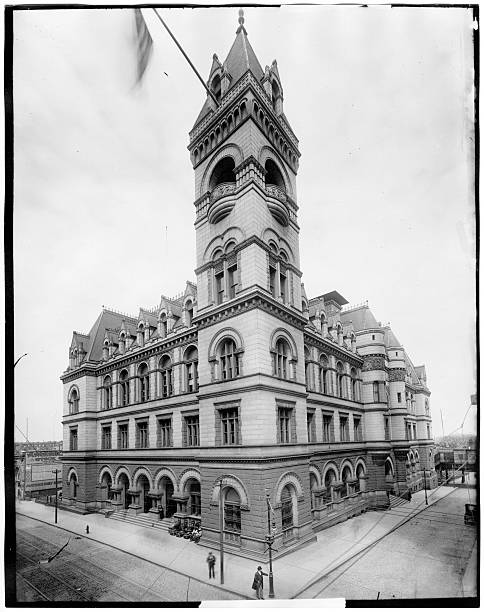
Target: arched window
<point>389,469</point>
<point>108,393</point>
<point>324,374</point>
<point>232,519</point>
<point>307,367</point>
<point>287,510</point>
<point>339,379</point>
<point>229,360</point>
<point>354,385</point>
<point>144,383</point>
<point>281,367</point>
<point>222,173</point>
<point>124,387</point>
<point>191,369</point>
<point>195,505</point>
<point>166,385</point>
<point>74,402</point>
<point>274,175</point>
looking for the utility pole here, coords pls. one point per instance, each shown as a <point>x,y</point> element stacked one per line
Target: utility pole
<point>221,526</point>
<point>55,472</point>
<point>270,541</point>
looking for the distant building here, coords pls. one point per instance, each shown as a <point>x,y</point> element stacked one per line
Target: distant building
<point>242,386</point>
<point>35,464</point>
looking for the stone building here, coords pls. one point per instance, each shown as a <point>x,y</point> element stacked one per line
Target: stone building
<point>241,386</point>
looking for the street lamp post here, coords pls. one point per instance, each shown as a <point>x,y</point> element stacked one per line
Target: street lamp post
<point>55,472</point>
<point>270,541</point>
<point>221,527</point>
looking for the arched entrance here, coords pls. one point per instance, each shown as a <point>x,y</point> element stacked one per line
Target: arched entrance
<point>73,484</point>
<point>124,483</point>
<point>329,479</point>
<point>313,485</point>
<point>107,483</point>
<point>361,478</point>
<point>346,478</point>
<point>168,503</point>
<point>194,500</point>
<point>144,485</point>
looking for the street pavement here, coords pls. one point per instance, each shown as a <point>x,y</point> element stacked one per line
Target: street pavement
<point>302,573</point>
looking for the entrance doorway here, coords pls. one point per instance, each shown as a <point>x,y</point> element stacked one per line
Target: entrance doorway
<point>144,485</point>
<point>169,504</point>
<point>124,482</point>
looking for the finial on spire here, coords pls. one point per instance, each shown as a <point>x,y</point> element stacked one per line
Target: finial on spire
<point>241,22</point>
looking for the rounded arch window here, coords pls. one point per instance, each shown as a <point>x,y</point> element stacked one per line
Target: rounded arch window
<point>222,173</point>
<point>124,386</point>
<point>108,393</point>
<point>274,175</point>
<point>388,470</point>
<point>324,374</point>
<point>360,478</point>
<point>191,369</point>
<point>346,477</point>
<point>283,255</point>
<point>218,253</point>
<point>354,384</point>
<point>166,382</point>
<point>232,518</point>
<point>144,383</point>
<point>73,484</point>
<point>229,359</point>
<point>287,510</point>
<point>329,480</point>
<point>230,246</point>
<point>281,359</point>
<point>339,379</point>
<point>74,401</point>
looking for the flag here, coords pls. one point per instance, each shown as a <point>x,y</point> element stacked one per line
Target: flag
<point>144,44</point>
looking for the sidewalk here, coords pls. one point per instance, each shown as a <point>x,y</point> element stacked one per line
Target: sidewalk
<point>291,572</point>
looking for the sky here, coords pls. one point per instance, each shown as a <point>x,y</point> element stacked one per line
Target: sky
<point>381,100</point>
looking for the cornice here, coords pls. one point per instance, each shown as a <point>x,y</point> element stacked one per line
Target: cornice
<point>251,301</point>
<point>313,339</point>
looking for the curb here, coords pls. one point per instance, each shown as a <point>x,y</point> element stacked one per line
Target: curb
<point>222,588</point>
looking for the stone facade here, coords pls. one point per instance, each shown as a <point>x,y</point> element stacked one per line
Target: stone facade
<point>301,411</point>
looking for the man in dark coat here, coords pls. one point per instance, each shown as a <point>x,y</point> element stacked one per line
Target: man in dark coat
<point>211,565</point>
<point>258,583</point>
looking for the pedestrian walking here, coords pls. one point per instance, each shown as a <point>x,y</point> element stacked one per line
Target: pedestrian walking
<point>258,583</point>
<point>211,565</point>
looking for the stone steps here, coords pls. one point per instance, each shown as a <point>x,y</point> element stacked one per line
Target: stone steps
<point>395,501</point>
<point>143,520</point>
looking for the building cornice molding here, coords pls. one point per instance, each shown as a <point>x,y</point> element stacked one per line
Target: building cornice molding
<point>313,339</point>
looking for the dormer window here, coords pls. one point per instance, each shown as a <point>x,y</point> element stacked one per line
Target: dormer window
<point>216,88</point>
<point>276,94</point>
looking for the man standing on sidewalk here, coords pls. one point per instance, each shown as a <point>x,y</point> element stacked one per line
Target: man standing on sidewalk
<point>258,583</point>
<point>211,565</point>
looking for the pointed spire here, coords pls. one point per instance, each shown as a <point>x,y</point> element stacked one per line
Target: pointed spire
<point>241,22</point>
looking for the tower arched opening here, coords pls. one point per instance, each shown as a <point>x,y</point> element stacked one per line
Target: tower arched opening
<point>274,175</point>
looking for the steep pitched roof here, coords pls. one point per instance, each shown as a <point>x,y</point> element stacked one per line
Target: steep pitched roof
<point>390,338</point>
<point>241,58</point>
<point>106,320</point>
<point>362,318</point>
